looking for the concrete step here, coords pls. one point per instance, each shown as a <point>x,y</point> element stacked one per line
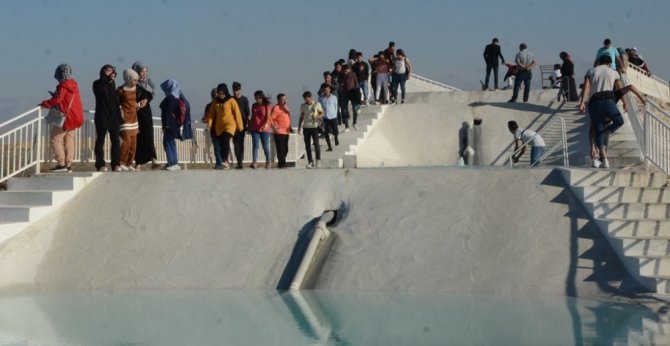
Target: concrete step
<point>608,178</point>
<point>50,182</point>
<point>654,266</point>
<point>9,229</point>
<point>331,163</point>
<point>635,228</point>
<point>37,198</point>
<point>16,213</point>
<point>624,194</point>
<point>638,211</point>
<point>645,248</point>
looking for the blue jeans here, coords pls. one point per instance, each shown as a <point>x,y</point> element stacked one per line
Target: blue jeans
<point>522,77</point>
<point>399,79</point>
<point>264,138</point>
<point>217,149</point>
<point>535,155</point>
<point>599,110</point>
<point>170,148</point>
<point>364,89</point>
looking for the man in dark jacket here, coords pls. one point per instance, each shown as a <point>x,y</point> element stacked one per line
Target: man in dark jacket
<point>238,139</point>
<point>107,118</point>
<point>491,54</point>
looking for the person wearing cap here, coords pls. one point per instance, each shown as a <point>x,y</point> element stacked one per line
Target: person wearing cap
<point>238,138</point>
<point>608,49</point>
<point>227,118</point>
<point>491,55</point>
<point>107,118</point>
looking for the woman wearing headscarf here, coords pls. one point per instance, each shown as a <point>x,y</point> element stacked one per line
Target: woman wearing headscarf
<point>67,100</point>
<point>107,118</point>
<point>568,83</point>
<point>146,150</point>
<point>170,110</point>
<point>127,94</point>
<point>227,118</point>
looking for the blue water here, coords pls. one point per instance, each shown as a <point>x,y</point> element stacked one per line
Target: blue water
<point>313,318</point>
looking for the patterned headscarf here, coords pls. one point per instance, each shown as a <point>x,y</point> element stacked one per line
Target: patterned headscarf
<point>63,72</point>
<point>147,84</point>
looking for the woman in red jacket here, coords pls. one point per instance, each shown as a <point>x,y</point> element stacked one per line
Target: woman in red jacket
<point>67,100</point>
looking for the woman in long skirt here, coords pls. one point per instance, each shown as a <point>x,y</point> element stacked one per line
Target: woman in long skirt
<point>146,149</point>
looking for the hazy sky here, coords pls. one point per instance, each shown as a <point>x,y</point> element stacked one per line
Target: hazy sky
<point>284,46</point>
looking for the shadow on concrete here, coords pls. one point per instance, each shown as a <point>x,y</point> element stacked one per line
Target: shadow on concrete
<point>519,106</point>
<point>605,270</point>
<point>542,112</point>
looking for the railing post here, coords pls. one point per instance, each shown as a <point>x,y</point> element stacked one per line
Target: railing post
<point>39,141</point>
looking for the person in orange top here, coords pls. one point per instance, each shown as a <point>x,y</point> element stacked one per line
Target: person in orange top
<point>281,127</point>
<point>227,120</point>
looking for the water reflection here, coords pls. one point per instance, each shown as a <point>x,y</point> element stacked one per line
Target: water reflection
<point>316,318</point>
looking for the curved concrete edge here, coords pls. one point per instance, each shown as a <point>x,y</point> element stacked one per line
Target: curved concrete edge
<point>59,186</point>
<point>319,237</point>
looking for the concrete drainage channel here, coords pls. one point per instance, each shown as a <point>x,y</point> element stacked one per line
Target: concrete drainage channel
<point>309,254</point>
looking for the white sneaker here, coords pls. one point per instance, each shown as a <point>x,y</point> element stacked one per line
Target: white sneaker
<point>606,164</point>
<point>346,129</point>
<point>173,168</point>
<point>131,168</point>
<point>318,163</point>
<point>596,163</point>
<point>310,165</point>
<point>355,127</point>
<point>124,168</point>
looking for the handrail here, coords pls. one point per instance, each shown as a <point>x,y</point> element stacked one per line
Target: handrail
<point>648,74</point>
<point>19,116</point>
<point>436,83</point>
<point>656,138</point>
<point>563,143</point>
<point>21,145</point>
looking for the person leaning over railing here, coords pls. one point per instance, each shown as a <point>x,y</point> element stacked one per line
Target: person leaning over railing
<point>67,102</point>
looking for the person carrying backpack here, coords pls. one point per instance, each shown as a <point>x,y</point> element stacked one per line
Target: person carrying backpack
<point>175,121</point>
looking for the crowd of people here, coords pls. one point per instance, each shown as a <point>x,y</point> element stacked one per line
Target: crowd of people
<point>124,114</point>
<point>601,91</point>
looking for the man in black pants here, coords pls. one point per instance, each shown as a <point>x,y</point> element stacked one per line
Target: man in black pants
<point>311,114</point>
<point>238,139</point>
<point>329,104</point>
<point>107,118</point>
<point>491,55</point>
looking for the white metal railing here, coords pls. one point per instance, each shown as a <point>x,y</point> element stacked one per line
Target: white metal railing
<point>197,150</point>
<point>648,83</point>
<point>436,83</point>
<point>656,147</point>
<point>25,143</point>
<point>563,143</point>
<point>20,146</point>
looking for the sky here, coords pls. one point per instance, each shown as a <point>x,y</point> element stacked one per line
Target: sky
<point>284,46</point>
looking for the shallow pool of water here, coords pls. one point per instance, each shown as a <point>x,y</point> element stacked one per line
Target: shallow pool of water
<point>316,318</point>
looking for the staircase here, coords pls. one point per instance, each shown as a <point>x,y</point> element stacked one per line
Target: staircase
<point>632,210</point>
<point>29,199</point>
<point>344,155</point>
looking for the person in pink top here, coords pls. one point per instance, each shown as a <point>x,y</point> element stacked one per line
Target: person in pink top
<point>259,126</point>
<point>281,127</point>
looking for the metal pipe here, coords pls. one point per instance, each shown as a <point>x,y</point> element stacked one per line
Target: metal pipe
<point>319,233</point>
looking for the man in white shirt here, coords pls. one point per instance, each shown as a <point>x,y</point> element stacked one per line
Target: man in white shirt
<point>524,138</point>
<point>328,102</point>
